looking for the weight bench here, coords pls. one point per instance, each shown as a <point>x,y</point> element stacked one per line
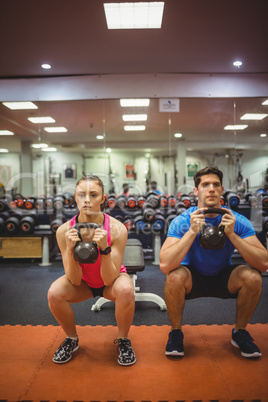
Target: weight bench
<point>133,260</point>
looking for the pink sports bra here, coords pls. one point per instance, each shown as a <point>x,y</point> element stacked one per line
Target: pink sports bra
<point>91,272</point>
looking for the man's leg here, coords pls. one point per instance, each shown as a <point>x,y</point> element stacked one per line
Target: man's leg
<point>60,296</point>
<point>247,282</point>
<point>178,284</point>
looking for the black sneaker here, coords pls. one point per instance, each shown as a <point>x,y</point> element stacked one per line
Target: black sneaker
<point>175,343</point>
<point>65,351</point>
<point>241,339</point>
<point>126,355</point>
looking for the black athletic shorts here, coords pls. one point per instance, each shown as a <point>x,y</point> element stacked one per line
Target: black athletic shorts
<point>211,286</point>
<point>97,291</point>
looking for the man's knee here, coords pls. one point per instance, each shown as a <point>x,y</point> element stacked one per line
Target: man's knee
<point>247,277</point>
<point>178,278</point>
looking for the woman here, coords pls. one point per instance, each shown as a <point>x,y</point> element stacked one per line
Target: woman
<point>106,277</point>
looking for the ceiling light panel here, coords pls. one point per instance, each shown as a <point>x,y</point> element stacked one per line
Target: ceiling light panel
<point>20,105</point>
<point>6,132</point>
<point>142,15</point>
<point>236,127</point>
<point>134,128</point>
<point>134,117</point>
<point>134,102</point>
<point>265,102</point>
<point>55,129</point>
<point>39,145</point>
<point>45,119</point>
<point>253,116</point>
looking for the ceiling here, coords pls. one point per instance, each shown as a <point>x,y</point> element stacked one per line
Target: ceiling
<point>195,49</point>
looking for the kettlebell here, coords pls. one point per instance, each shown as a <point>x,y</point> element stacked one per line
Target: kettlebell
<point>212,237</point>
<point>85,252</point>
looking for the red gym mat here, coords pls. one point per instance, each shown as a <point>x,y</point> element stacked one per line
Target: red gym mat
<point>212,369</point>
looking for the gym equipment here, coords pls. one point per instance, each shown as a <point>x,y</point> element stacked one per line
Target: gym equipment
<point>172,201</point>
<point>28,222</point>
<point>29,203</point>
<point>128,222</point>
<point>231,199</point>
<point>265,224</point>
<point>12,225</point>
<point>121,201</point>
<point>59,202</point>
<point>111,201</point>
<point>251,199</point>
<point>131,201</point>
<point>141,201</point>
<point>85,252</point>
<point>152,199</point>
<point>186,200</point>
<point>39,203</point>
<point>158,224</point>
<point>133,260</point>
<point>57,222</point>
<point>212,237</point>
<point>139,221</point>
<point>162,201</point>
<point>148,212</point>
<point>4,204</point>
<point>49,203</point>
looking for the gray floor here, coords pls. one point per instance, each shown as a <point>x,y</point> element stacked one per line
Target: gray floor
<point>24,286</point>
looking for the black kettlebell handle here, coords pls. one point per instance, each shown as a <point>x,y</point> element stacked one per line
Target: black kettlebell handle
<point>219,211</point>
<point>85,225</point>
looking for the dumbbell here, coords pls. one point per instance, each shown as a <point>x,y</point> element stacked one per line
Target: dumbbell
<point>251,199</point>
<point>180,208</point>
<point>121,201</point>
<point>265,224</point>
<point>57,222</point>
<point>49,203</point>
<point>29,203</point>
<point>171,214</point>
<point>28,222</point>
<point>148,212</point>
<point>158,224</point>
<point>162,201</point>
<point>128,222</point>
<point>59,202</point>
<point>231,199</point>
<point>12,225</point>
<point>152,199</point>
<point>139,221</point>
<point>3,217</point>
<point>39,203</point>
<point>186,200</point>
<point>4,204</point>
<point>172,201</point>
<point>69,201</point>
<point>85,252</point>
<point>131,201</point>
<point>212,237</point>
<point>141,201</point>
<point>111,201</point>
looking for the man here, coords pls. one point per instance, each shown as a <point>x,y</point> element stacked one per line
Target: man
<point>106,277</point>
<point>193,271</point>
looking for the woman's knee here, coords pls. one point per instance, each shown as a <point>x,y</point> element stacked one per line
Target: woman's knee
<point>124,289</point>
<point>56,291</point>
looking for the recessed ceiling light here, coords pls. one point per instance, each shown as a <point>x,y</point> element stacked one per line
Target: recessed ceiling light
<point>3,150</point>
<point>178,135</point>
<point>134,102</point>
<point>46,66</point>
<point>45,119</point>
<point>49,149</point>
<point>100,137</point>
<point>265,102</point>
<point>253,116</point>
<point>108,150</point>
<point>237,63</point>
<point>39,145</point>
<point>56,129</point>
<point>236,127</point>
<point>134,117</point>
<point>134,128</point>
<point>263,135</point>
<point>140,15</point>
<point>20,105</point>
<point>6,132</point>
